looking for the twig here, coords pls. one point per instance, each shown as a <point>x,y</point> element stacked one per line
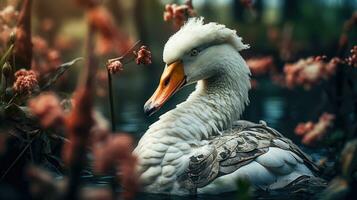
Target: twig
<point>17,158</point>
<point>110,83</point>
<point>13,98</point>
<point>125,55</point>
<point>30,149</point>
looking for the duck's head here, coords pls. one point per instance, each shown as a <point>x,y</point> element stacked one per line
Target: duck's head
<point>193,53</point>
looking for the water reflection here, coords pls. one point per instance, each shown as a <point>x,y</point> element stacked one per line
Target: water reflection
<point>273,108</point>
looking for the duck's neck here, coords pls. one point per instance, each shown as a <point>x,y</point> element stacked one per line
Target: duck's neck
<point>211,108</point>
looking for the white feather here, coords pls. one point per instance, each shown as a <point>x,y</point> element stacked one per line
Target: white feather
<point>195,33</point>
<point>166,147</point>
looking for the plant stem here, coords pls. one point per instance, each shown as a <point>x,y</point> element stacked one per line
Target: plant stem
<point>17,158</point>
<point>111,101</point>
<point>30,148</point>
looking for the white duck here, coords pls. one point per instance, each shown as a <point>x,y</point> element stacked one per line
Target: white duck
<point>199,147</point>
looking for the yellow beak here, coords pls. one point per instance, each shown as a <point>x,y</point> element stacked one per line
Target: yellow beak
<point>172,79</point>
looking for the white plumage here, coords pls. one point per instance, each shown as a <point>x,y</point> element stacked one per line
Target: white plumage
<point>195,33</point>
<point>198,147</point>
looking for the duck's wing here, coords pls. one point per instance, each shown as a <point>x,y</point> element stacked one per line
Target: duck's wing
<point>246,144</point>
<point>278,140</point>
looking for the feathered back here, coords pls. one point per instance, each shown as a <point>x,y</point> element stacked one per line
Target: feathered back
<point>195,33</point>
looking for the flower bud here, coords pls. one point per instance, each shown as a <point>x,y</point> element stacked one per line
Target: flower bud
<point>6,70</point>
<point>12,38</point>
<point>115,66</point>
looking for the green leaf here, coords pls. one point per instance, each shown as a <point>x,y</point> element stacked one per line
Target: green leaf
<point>15,112</point>
<point>53,77</point>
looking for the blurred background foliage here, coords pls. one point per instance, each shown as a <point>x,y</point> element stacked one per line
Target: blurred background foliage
<point>285,30</point>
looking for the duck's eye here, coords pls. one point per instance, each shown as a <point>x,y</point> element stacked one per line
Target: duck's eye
<point>194,52</point>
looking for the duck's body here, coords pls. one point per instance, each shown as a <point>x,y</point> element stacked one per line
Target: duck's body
<point>200,147</point>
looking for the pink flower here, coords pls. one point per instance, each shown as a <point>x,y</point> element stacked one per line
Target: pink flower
<point>26,81</point>
<point>143,56</point>
<point>330,67</point>
<point>40,46</point>
<point>352,59</point>
<point>115,67</point>
<point>46,59</point>
<point>47,24</point>
<point>46,107</point>
<point>313,132</point>
<point>179,13</point>
<point>260,66</point>
<point>8,15</point>
<point>302,128</point>
<point>308,72</point>
<point>53,59</point>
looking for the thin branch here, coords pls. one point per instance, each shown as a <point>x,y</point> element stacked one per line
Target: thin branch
<point>17,158</point>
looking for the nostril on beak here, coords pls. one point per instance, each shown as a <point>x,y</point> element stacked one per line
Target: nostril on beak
<point>149,108</point>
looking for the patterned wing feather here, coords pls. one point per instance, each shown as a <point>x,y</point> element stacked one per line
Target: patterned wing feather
<point>244,143</point>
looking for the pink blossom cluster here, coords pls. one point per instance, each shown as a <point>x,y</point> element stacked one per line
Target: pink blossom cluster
<point>179,13</point>
<point>143,56</point>
<point>352,59</point>
<point>312,132</point>
<point>45,59</point>
<point>47,108</point>
<point>261,66</point>
<point>308,72</point>
<point>25,81</point>
<point>8,17</point>
<point>115,66</point>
